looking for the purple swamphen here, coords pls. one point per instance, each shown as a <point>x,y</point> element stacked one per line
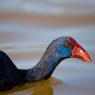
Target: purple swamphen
<point>59,49</point>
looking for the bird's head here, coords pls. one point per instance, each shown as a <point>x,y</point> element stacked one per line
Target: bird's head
<point>67,47</point>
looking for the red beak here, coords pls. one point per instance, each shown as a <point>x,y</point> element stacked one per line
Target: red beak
<point>79,52</point>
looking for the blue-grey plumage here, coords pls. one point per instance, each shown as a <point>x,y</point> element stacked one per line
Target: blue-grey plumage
<point>59,49</point>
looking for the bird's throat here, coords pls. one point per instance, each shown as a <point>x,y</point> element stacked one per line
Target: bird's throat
<point>48,63</point>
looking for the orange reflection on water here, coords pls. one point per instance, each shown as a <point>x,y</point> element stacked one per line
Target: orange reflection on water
<point>38,88</point>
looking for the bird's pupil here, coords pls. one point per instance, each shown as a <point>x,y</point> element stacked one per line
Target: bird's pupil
<point>67,45</point>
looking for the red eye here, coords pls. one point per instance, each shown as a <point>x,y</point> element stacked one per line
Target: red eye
<point>67,45</point>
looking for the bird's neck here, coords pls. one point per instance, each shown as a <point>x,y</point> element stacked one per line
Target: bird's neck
<point>45,66</point>
<point>49,63</point>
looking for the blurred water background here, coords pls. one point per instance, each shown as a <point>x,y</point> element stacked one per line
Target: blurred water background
<point>28,26</point>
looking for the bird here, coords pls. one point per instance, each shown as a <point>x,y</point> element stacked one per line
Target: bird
<point>59,49</point>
